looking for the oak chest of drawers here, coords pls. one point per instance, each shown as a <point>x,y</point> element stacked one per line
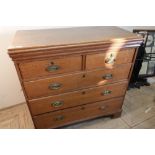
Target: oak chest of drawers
<point>74,74</point>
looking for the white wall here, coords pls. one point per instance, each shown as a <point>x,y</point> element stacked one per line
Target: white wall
<point>10,89</point>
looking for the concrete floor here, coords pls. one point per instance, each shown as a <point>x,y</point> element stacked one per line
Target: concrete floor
<point>138,113</point>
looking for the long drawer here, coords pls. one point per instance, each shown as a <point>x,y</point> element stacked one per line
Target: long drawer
<point>57,102</point>
<point>62,84</point>
<point>109,59</point>
<point>37,69</point>
<point>80,113</point>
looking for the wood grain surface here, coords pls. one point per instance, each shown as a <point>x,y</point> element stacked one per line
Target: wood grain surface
<point>80,113</point>
<point>76,81</point>
<point>73,68</point>
<point>72,99</point>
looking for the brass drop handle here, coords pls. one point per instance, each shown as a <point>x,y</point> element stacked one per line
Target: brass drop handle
<point>53,68</point>
<point>57,104</point>
<point>59,118</point>
<point>111,59</point>
<point>55,86</point>
<point>108,76</point>
<point>106,92</point>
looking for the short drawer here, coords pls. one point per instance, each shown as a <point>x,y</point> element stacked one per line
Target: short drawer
<point>76,98</point>
<point>62,84</point>
<point>36,69</point>
<point>80,113</point>
<point>109,59</point>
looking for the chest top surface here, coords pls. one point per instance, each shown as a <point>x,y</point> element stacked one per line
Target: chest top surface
<point>63,41</point>
<point>68,36</point>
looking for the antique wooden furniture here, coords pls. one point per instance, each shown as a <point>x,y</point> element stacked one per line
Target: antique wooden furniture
<point>74,74</point>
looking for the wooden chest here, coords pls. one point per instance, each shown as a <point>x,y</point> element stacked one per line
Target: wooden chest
<point>74,74</point>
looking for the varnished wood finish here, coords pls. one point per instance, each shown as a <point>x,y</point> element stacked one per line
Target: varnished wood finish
<point>70,82</point>
<point>133,114</point>
<point>35,69</point>
<point>78,98</point>
<point>30,39</point>
<point>39,44</point>
<point>72,68</point>
<point>99,60</point>
<point>80,113</point>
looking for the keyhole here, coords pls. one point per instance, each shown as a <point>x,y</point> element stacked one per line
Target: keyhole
<point>84,76</point>
<point>52,63</point>
<point>83,92</point>
<point>82,108</point>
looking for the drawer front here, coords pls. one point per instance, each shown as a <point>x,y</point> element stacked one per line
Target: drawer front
<point>80,113</point>
<point>62,84</point>
<point>109,59</point>
<point>76,98</point>
<point>106,76</point>
<point>36,69</point>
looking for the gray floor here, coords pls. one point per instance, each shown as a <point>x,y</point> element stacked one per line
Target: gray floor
<point>138,113</point>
